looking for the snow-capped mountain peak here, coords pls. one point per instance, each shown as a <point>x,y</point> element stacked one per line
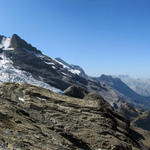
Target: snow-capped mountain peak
<point>22,63</point>
<point>13,59</point>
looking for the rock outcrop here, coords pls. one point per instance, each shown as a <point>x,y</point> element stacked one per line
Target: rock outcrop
<point>76,91</point>
<point>36,118</point>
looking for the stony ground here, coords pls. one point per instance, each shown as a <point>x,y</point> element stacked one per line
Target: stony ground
<point>33,118</point>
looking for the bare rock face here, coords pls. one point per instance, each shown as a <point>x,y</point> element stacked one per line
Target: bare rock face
<point>20,44</point>
<point>76,91</point>
<point>36,118</point>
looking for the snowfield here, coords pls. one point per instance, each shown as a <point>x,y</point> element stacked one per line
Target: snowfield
<point>6,44</point>
<point>8,73</point>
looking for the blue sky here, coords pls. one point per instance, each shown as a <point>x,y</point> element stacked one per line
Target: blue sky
<point>102,36</point>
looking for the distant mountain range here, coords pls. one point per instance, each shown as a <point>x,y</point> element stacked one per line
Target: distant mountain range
<point>140,86</point>
<point>127,93</point>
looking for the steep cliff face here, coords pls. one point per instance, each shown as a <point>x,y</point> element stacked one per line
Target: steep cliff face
<point>36,118</point>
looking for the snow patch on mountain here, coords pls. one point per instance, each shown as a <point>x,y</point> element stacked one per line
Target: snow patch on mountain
<point>53,67</point>
<point>21,99</point>
<point>75,71</point>
<point>67,66</point>
<point>10,74</point>
<point>5,44</point>
<point>64,66</point>
<point>49,63</point>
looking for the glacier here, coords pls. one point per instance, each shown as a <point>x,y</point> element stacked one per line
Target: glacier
<point>8,73</point>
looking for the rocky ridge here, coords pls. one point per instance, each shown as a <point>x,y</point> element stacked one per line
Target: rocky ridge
<point>35,118</point>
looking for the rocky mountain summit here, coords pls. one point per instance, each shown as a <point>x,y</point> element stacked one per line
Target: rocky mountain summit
<point>25,64</point>
<point>36,118</point>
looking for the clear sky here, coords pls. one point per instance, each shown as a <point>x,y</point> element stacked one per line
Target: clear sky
<point>102,36</point>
